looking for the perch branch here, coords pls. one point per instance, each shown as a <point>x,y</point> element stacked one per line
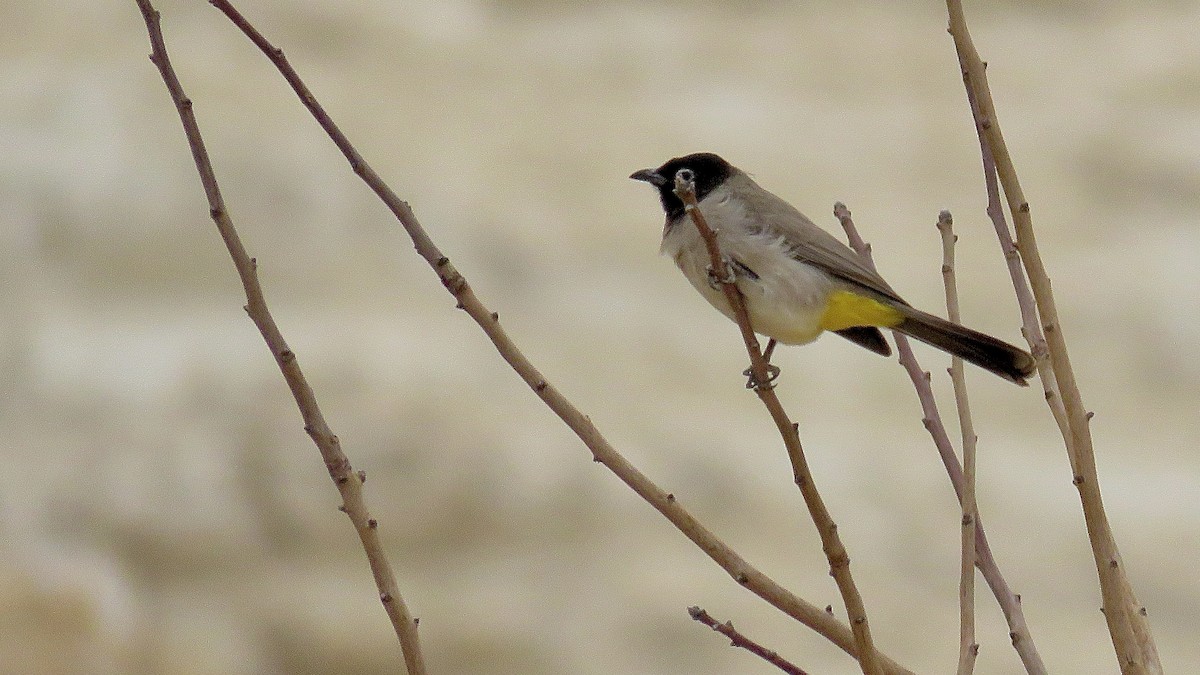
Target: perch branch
<point>831,543</point>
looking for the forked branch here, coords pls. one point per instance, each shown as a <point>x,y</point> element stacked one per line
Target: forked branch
<point>1125,615</point>
<point>666,503</point>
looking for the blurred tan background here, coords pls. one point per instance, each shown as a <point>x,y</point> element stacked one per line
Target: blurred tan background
<point>162,511</point>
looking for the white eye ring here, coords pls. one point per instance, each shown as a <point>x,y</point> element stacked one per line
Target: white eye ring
<point>685,175</point>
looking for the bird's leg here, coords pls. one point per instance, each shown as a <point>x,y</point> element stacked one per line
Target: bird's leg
<point>728,275</point>
<point>769,350</point>
<point>772,370</point>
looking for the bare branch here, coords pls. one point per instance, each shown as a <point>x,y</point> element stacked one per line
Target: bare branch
<point>1010,603</point>
<point>739,640</point>
<point>1021,639</point>
<point>1030,327</point>
<point>831,543</point>
<point>665,503</point>
<point>968,649</point>
<point>1125,615</point>
<point>349,483</point>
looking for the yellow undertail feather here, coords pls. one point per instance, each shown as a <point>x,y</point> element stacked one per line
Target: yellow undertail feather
<point>846,309</point>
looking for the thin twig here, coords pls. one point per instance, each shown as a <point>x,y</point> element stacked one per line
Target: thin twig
<point>1125,615</point>
<point>1021,639</point>
<point>831,543</point>
<point>1030,328</point>
<point>665,503</point>
<point>738,640</point>
<point>349,483</point>
<point>968,649</point>
<point>1010,602</point>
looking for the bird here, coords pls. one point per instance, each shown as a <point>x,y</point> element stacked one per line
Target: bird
<point>797,280</point>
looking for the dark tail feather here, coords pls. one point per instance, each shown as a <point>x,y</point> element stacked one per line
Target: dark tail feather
<point>1011,363</point>
<point>868,337</point>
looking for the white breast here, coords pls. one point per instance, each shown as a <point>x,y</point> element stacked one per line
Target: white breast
<point>788,298</point>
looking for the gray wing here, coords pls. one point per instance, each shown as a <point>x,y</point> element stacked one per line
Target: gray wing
<point>814,245</point>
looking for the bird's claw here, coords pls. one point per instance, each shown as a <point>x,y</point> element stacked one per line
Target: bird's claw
<point>726,277</point>
<point>753,383</point>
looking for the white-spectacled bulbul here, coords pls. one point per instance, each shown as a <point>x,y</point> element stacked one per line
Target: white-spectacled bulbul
<point>797,279</point>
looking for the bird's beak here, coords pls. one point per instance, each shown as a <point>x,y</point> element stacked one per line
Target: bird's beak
<point>650,176</point>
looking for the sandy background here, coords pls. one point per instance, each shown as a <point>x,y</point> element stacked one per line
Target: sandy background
<point>162,511</point>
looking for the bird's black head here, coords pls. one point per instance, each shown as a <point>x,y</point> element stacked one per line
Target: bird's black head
<point>709,172</point>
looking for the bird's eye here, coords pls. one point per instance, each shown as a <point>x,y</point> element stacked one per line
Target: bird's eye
<point>685,175</point>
